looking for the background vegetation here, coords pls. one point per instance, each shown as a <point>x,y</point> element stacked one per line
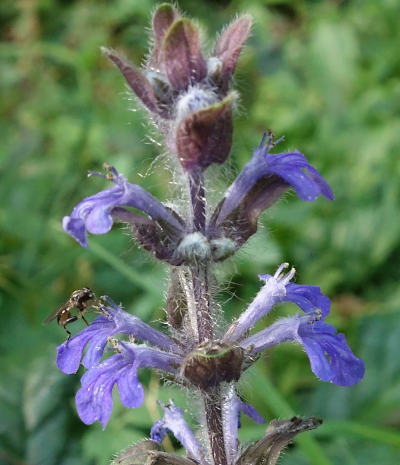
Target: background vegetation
<point>323,73</point>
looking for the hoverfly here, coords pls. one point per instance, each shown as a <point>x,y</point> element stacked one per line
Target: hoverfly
<point>80,300</point>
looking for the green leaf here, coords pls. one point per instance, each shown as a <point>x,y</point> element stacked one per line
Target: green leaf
<point>44,390</point>
<point>46,443</point>
<point>366,432</point>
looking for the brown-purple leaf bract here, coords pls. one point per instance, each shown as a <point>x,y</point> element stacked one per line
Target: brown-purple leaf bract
<point>152,238</point>
<point>278,435</point>
<point>241,223</point>
<point>181,55</point>
<point>230,43</point>
<point>136,80</point>
<point>163,18</point>
<point>211,363</point>
<point>205,136</point>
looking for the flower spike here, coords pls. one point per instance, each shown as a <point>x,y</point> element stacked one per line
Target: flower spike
<point>189,99</point>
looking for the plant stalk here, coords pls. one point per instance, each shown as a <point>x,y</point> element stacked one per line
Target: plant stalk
<point>201,292</point>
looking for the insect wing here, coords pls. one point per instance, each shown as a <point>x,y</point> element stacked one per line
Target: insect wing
<point>56,312</point>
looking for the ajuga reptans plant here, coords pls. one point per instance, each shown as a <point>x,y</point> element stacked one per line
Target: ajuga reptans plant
<point>189,99</point>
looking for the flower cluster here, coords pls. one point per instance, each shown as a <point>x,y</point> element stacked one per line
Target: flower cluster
<point>189,99</point>
<point>170,238</point>
<point>94,401</point>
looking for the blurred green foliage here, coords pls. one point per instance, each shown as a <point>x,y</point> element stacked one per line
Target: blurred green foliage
<point>326,74</point>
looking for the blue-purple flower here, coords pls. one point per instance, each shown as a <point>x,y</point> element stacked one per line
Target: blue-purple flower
<point>113,321</point>
<point>173,422</point>
<point>94,399</point>
<point>261,183</point>
<point>97,213</point>
<point>330,356</point>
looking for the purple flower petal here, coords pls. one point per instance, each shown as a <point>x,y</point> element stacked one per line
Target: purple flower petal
<point>330,357</point>
<point>308,184</point>
<point>114,321</point>
<point>94,399</point>
<point>308,298</point>
<point>130,390</point>
<point>251,412</point>
<point>69,353</point>
<point>173,421</point>
<point>96,347</point>
<point>75,227</point>
<point>158,431</point>
<point>95,213</point>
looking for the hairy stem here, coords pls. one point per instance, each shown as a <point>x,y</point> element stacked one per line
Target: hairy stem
<point>205,331</point>
<point>213,410</point>
<point>197,196</point>
<point>202,300</point>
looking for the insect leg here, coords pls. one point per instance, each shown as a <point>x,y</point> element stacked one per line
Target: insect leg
<point>70,320</point>
<point>68,332</point>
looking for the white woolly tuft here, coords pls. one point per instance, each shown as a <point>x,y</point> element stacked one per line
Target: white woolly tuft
<point>194,247</point>
<point>194,99</point>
